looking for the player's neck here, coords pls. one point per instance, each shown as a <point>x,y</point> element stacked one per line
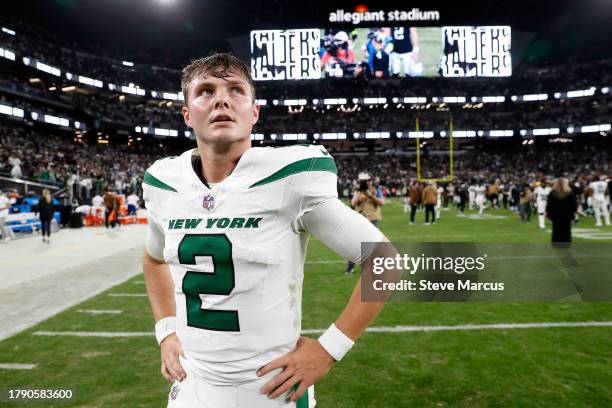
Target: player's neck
<point>218,162</point>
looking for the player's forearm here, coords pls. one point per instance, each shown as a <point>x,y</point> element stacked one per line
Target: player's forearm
<point>159,287</point>
<point>357,315</point>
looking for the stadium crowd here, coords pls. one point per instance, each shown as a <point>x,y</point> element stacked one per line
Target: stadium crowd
<point>63,162</point>
<point>87,169</point>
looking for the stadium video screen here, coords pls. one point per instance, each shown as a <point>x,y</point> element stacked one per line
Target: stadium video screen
<point>381,52</point>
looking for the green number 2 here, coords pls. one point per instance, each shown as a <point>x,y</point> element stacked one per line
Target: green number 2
<point>220,282</point>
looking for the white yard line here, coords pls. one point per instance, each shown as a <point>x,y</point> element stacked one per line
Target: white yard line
<point>13,366</point>
<point>392,329</point>
<point>128,294</point>
<point>494,326</point>
<point>97,312</point>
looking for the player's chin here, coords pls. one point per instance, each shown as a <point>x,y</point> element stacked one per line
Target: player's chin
<point>225,134</point>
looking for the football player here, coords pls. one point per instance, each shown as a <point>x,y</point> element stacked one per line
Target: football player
<point>224,258</point>
<point>479,196</point>
<point>599,189</point>
<point>472,194</point>
<point>438,207</point>
<point>541,193</point>
<point>405,51</point>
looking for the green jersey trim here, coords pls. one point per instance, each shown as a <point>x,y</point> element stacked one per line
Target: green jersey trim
<point>152,181</point>
<point>303,401</point>
<point>312,164</point>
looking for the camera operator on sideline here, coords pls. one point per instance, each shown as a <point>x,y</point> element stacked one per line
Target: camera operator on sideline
<point>367,201</point>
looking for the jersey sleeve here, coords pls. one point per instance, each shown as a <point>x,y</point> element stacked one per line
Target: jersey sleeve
<point>341,229</point>
<point>320,182</point>
<point>154,243</point>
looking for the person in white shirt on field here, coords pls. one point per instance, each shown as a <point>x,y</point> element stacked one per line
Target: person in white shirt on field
<point>132,202</point>
<point>541,193</point>
<point>5,205</point>
<point>471,195</point>
<point>438,207</point>
<point>599,190</point>
<point>479,197</point>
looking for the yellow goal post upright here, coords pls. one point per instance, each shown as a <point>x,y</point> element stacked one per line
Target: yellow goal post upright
<point>418,155</point>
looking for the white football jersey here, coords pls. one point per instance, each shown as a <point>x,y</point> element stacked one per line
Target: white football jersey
<point>542,193</point>
<point>480,191</point>
<point>236,253</point>
<point>599,190</point>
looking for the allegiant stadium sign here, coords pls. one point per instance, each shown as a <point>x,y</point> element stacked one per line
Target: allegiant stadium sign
<point>357,17</point>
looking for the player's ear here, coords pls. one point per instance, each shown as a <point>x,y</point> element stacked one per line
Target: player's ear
<point>255,113</point>
<point>186,118</point>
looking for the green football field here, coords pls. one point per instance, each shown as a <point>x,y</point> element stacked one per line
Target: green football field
<point>527,367</point>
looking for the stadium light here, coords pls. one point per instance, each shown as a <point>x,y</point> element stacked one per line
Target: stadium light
<point>7,54</point>
<point>47,68</point>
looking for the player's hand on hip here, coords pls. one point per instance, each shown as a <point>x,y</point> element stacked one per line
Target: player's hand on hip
<point>303,366</point>
<point>171,367</point>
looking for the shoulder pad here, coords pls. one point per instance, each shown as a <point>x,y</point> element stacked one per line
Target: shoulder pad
<point>164,174</point>
<point>277,163</point>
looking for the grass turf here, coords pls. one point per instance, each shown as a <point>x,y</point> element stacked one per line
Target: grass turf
<point>547,367</point>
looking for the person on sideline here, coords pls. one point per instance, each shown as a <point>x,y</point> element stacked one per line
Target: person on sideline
<point>44,209</point>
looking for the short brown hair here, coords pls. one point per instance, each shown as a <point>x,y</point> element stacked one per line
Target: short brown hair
<point>217,64</point>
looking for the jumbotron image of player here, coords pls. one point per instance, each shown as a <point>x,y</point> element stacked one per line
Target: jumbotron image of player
<point>224,258</point>
<point>404,58</point>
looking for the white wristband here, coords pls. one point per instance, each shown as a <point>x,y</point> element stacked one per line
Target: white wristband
<point>416,49</point>
<point>336,343</point>
<point>164,328</point>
